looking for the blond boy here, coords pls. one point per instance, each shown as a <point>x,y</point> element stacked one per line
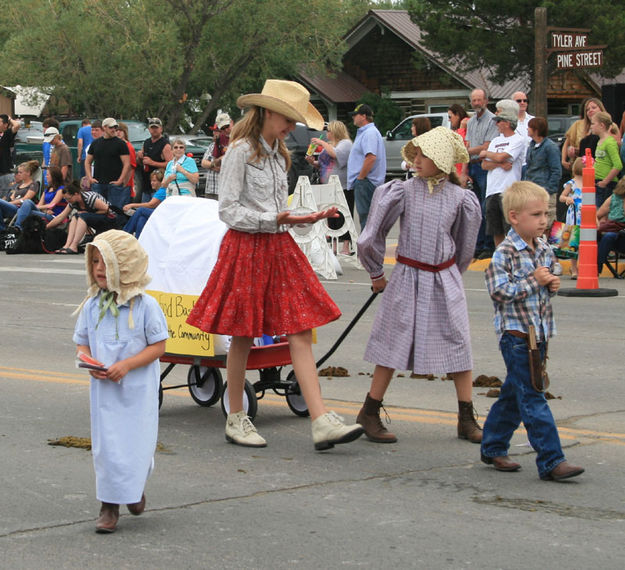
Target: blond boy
<point>520,282</point>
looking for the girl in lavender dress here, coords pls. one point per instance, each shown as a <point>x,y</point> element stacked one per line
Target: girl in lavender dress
<point>422,323</point>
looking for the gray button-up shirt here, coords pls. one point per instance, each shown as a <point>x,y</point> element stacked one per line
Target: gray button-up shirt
<point>253,193</point>
<point>480,130</point>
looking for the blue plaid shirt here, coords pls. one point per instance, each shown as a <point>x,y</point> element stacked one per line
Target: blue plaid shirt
<point>518,298</point>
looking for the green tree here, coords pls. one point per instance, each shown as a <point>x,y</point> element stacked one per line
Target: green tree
<point>176,59</point>
<point>499,34</point>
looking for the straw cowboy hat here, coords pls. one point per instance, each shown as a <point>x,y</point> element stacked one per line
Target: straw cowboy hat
<point>287,98</point>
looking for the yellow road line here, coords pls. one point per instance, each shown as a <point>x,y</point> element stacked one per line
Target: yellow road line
<point>411,415</point>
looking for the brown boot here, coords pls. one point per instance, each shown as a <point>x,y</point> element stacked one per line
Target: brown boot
<point>369,418</point>
<point>107,521</point>
<point>468,428</point>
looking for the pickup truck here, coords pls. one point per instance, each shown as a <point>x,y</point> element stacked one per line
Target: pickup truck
<point>137,133</point>
<point>396,138</point>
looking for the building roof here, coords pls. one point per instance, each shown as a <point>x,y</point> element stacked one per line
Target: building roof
<point>399,22</point>
<point>340,88</point>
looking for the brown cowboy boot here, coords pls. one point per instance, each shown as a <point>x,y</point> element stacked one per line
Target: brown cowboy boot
<point>107,521</point>
<point>468,428</point>
<point>369,418</point>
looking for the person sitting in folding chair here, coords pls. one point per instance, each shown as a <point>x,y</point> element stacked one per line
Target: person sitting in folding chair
<point>86,209</point>
<point>25,189</point>
<point>611,228</point>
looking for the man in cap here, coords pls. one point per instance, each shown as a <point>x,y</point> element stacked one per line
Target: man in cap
<point>111,159</point>
<point>503,161</point>
<point>155,154</point>
<point>222,139</point>
<point>366,166</point>
<point>60,156</point>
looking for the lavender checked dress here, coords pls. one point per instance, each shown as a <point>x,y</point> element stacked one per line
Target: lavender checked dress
<point>422,323</point>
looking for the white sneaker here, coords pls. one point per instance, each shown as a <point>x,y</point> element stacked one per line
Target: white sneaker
<point>241,430</point>
<point>330,429</point>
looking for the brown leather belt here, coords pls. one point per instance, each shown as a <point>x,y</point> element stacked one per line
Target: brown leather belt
<point>518,334</point>
<point>426,266</point>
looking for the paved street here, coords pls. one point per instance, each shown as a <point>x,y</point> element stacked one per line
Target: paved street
<point>425,502</point>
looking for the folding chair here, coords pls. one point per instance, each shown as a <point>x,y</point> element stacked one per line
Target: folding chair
<point>617,243</point>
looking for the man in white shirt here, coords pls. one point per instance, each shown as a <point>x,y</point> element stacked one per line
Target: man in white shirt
<point>524,118</point>
<point>503,160</point>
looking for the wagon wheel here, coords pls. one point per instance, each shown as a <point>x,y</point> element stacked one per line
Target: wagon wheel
<point>295,400</point>
<point>205,384</point>
<point>250,402</point>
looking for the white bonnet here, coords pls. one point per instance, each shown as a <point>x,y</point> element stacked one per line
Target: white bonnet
<point>442,145</point>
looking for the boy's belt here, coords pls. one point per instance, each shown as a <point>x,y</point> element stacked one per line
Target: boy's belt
<point>518,334</point>
<point>426,266</point>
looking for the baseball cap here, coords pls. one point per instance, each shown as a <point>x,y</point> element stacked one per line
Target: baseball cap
<point>154,122</point>
<point>50,133</point>
<point>109,122</point>
<point>223,120</point>
<point>362,109</point>
<point>507,110</point>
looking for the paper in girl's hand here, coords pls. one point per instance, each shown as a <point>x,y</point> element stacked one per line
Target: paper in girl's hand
<point>85,361</point>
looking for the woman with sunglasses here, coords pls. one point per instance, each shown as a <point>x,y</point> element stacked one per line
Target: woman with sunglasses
<point>181,174</point>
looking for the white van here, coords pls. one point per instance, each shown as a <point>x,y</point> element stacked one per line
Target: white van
<point>400,135</point>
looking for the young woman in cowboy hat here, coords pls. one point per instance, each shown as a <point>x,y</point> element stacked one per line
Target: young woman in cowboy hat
<point>422,323</point>
<point>262,282</point>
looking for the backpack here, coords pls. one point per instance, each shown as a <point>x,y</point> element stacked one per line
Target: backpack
<point>30,239</point>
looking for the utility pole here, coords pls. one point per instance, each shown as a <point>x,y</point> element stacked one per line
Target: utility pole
<point>539,89</point>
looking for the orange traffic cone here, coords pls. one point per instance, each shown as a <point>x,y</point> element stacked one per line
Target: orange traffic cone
<point>587,270</point>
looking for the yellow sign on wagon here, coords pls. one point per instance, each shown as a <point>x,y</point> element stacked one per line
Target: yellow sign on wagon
<point>183,338</point>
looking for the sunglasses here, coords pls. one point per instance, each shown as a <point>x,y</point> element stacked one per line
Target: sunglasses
<point>178,146</point>
<point>522,100</point>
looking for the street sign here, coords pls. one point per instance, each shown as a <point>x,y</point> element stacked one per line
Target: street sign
<point>579,59</point>
<point>568,40</point>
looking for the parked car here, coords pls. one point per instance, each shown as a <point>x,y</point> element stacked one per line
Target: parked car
<point>396,138</point>
<point>558,125</point>
<point>297,142</point>
<point>137,133</point>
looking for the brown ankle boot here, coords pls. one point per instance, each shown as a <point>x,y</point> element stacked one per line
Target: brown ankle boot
<point>369,418</point>
<point>107,521</point>
<point>468,428</point>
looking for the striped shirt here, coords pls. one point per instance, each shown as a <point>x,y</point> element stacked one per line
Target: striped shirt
<point>518,298</point>
<point>89,197</point>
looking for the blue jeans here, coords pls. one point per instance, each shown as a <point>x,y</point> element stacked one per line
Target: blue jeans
<point>479,177</point>
<point>28,208</point>
<point>7,210</point>
<point>137,221</point>
<point>118,196</point>
<point>610,241</point>
<point>517,402</point>
<point>602,194</point>
<point>363,192</point>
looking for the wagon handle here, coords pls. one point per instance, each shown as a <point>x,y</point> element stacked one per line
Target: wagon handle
<point>351,325</point>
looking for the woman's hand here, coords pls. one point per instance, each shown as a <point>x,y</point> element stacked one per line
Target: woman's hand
<point>602,183</point>
<point>288,218</point>
<point>571,151</point>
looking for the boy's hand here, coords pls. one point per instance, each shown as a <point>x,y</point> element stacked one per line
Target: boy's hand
<point>543,276</point>
<point>554,284</point>
<point>117,371</point>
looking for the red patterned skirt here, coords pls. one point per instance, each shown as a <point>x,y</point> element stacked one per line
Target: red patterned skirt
<point>262,283</point>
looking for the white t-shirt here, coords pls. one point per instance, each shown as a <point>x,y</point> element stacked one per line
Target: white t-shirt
<point>521,129</point>
<point>498,178</point>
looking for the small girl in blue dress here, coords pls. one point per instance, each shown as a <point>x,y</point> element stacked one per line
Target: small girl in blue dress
<point>572,196</point>
<point>125,330</point>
